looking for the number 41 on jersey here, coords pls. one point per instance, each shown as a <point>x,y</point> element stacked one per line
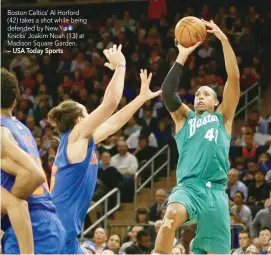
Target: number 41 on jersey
<point>211,134</point>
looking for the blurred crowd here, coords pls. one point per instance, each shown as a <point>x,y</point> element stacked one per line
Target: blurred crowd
<point>148,42</point>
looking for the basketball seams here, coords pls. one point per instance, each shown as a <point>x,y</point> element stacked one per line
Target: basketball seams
<point>182,33</point>
<point>190,36</point>
<point>197,31</point>
<point>189,23</point>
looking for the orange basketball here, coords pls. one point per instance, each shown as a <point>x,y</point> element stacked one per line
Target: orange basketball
<point>189,31</point>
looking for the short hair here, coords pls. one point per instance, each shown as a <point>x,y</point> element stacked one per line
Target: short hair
<point>240,192</point>
<point>64,115</point>
<point>252,160</point>
<point>234,171</point>
<point>141,234</point>
<point>142,210</point>
<point>265,228</point>
<point>9,88</point>
<point>244,232</point>
<point>143,137</point>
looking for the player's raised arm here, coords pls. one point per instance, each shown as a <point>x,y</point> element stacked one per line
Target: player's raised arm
<point>231,92</point>
<point>112,94</point>
<point>119,119</point>
<point>15,161</point>
<point>173,102</point>
<point>18,213</point>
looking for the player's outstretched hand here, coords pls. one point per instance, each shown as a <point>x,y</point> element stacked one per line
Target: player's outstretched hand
<point>214,30</point>
<point>187,51</point>
<point>145,92</point>
<point>115,57</point>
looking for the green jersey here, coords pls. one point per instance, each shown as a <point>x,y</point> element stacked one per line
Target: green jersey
<point>203,146</point>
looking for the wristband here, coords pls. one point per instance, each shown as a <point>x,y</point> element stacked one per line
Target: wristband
<point>121,65</point>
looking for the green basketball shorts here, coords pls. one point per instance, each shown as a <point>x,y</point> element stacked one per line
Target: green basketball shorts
<point>207,203</point>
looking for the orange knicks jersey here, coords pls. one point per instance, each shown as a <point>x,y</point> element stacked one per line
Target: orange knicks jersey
<point>72,186</point>
<point>41,198</point>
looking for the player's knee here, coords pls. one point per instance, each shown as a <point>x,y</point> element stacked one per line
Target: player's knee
<point>170,219</point>
<point>171,213</point>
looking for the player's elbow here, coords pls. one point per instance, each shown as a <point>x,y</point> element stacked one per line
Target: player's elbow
<point>35,176</point>
<point>111,105</point>
<point>234,76</point>
<point>39,178</point>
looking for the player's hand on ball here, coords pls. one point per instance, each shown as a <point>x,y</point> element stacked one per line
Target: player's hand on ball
<point>145,91</point>
<point>189,50</point>
<point>214,30</point>
<point>115,57</point>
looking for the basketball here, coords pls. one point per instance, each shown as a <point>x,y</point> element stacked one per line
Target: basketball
<point>189,31</point>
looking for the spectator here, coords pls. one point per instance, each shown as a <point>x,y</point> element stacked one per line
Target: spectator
<point>106,43</point>
<point>160,199</point>
<point>234,185</point>
<point>157,9</point>
<point>241,212</point>
<point>47,138</point>
<point>128,22</point>
<point>186,237</point>
<point>28,95</point>
<point>88,247</point>
<point>180,247</point>
<point>78,63</point>
<point>99,240</point>
<point>260,189</point>
<point>43,95</point>
<point>108,174</point>
<point>143,244</point>
<point>162,134</point>
<point>148,105</point>
<point>108,146</point>
<point>107,252</point>
<point>132,240</point>
<point>264,162</point>
<point>144,152</point>
<point>147,121</point>
<point>240,165</point>
<point>268,176</point>
<point>252,249</point>
<point>19,61</point>
<point>249,149</point>
<point>258,123</point>
<point>30,123</point>
<point>248,176</point>
<point>131,127</point>
<point>176,251</point>
<point>261,220</point>
<point>133,139</point>
<point>114,243</point>
<point>142,215</point>
<point>124,161</point>
<point>244,242</point>
<point>206,51</point>
<point>265,238</point>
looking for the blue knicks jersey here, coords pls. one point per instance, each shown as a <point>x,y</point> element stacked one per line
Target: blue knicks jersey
<point>41,198</point>
<point>72,186</point>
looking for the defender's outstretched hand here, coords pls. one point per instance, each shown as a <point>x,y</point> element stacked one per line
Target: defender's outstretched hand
<point>115,57</point>
<point>145,92</point>
<point>214,30</point>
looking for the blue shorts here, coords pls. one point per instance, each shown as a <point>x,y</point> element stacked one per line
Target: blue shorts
<point>48,232</point>
<point>73,247</point>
